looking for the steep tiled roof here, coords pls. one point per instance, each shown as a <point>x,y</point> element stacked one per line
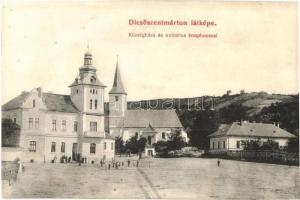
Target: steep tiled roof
<point>53,102</point>
<point>157,118</point>
<point>252,130</point>
<point>118,87</point>
<point>15,102</point>
<point>58,102</point>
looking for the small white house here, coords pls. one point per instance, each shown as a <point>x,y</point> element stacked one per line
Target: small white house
<point>230,136</point>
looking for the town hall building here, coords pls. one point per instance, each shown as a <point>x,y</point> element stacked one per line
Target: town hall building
<point>54,125</point>
<point>79,125</point>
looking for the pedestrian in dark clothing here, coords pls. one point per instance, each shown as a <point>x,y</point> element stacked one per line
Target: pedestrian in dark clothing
<point>128,162</point>
<point>101,163</point>
<point>122,163</point>
<point>219,163</point>
<point>137,163</point>
<point>109,166</point>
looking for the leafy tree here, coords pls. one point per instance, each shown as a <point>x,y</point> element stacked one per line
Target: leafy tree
<point>135,145</point>
<point>293,145</point>
<point>120,147</point>
<point>10,133</point>
<point>176,141</point>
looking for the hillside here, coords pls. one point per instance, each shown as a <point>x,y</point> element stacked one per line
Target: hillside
<point>201,116</point>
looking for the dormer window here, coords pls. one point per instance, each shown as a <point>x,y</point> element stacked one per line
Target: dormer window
<point>33,103</point>
<point>93,79</point>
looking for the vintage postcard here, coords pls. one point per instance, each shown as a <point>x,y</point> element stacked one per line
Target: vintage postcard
<point>150,100</point>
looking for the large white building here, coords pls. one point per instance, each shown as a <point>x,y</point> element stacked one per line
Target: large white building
<point>54,125</point>
<point>230,136</point>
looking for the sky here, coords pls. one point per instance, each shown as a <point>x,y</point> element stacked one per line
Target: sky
<point>256,47</point>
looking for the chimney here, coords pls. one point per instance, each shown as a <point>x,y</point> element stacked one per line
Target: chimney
<point>39,89</point>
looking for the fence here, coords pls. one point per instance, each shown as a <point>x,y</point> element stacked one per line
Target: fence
<point>279,157</point>
<point>10,171</point>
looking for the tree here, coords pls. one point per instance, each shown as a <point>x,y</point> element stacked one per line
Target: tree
<point>205,123</point>
<point>293,145</point>
<point>10,133</point>
<point>228,92</point>
<point>120,147</point>
<point>176,141</point>
<point>135,145</point>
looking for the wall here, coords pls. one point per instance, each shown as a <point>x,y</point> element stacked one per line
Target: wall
<point>231,142</point>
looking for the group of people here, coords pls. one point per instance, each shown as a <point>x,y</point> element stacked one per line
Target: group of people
<point>119,164</point>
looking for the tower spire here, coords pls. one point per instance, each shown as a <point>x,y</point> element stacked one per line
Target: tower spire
<point>118,87</point>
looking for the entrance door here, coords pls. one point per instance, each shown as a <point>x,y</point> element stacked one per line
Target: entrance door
<point>149,140</point>
<point>150,152</point>
<point>74,151</point>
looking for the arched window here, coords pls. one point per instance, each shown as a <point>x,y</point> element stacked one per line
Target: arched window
<point>91,104</point>
<point>92,148</point>
<point>96,102</point>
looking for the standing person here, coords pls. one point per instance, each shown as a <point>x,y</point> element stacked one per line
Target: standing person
<point>101,163</point>
<point>219,163</point>
<point>128,163</point>
<point>137,163</point>
<point>109,166</point>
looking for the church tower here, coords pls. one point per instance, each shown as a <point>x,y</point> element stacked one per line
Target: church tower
<point>117,105</point>
<point>87,94</point>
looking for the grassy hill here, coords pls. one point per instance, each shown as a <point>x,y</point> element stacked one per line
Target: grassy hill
<point>201,116</point>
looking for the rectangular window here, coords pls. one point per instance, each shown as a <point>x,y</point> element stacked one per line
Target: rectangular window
<point>32,146</point>
<point>93,126</point>
<point>33,103</point>
<point>238,144</point>
<point>224,145</point>
<point>15,120</point>
<point>92,148</point>
<point>116,98</point>
<point>53,144</point>
<point>104,145</point>
<point>36,123</point>
<point>213,145</point>
<point>218,144</point>
<point>30,123</point>
<point>64,125</point>
<point>96,102</point>
<point>112,146</point>
<point>75,126</point>
<point>63,147</point>
<point>163,135</point>
<point>53,125</point>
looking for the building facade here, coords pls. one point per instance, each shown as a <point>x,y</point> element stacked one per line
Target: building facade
<point>53,125</point>
<point>230,136</point>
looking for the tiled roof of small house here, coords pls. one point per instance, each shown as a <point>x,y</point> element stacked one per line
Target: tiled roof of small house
<point>58,102</point>
<point>252,130</point>
<point>15,102</point>
<point>157,118</point>
<point>53,102</point>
